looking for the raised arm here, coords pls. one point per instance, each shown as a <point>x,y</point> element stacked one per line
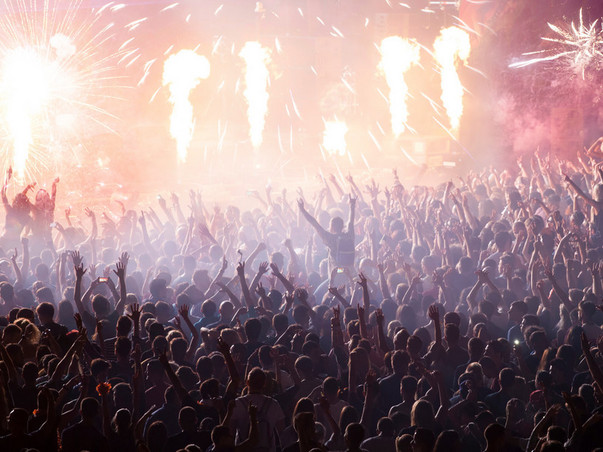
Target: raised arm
<point>310,219</point>
<point>352,214</point>
<point>593,367</point>
<point>79,274</point>
<point>276,272</point>
<point>192,346</point>
<point>244,288</point>
<point>572,185</point>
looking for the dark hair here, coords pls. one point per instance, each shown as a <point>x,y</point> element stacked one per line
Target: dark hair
<point>253,327</point>
<point>45,309</point>
<point>89,408</point>
<point>123,346</point>
<point>386,426</point>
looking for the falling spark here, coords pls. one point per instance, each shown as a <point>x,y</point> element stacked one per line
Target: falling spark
<point>377,145</point>
<point>579,47</point>
<point>256,88</point>
<point>451,47</point>
<point>147,70</point>
<point>294,105</point>
<point>135,24</point>
<point>336,30</point>
<point>182,72</point>
<point>397,57</point>
<point>333,139</point>
<point>173,5</point>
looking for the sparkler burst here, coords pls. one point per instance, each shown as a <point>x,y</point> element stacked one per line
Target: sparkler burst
<point>452,47</point>
<point>256,88</point>
<point>182,72</point>
<point>397,57</point>
<point>579,47</point>
<point>56,67</point>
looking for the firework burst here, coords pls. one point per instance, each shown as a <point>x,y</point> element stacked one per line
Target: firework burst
<point>56,68</point>
<point>578,47</point>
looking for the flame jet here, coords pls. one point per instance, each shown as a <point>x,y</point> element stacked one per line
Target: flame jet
<point>182,72</point>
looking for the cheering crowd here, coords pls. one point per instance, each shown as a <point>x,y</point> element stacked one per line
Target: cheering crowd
<point>364,318</point>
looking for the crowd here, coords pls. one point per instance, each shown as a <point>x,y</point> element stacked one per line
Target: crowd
<point>464,316</point>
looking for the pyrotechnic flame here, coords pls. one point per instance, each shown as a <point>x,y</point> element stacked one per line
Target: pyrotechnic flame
<point>450,48</point>
<point>256,88</point>
<point>579,47</point>
<point>333,139</point>
<point>26,86</point>
<point>397,57</point>
<point>182,72</point>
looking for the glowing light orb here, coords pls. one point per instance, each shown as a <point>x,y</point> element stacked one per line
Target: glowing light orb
<point>333,139</point>
<point>257,76</point>
<point>183,71</point>
<point>398,55</point>
<point>451,48</point>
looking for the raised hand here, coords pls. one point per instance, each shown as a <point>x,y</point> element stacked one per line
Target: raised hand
<point>438,280</point>
<point>124,259</point>
<point>482,276</point>
<point>78,321</point>
<point>178,323</point>
<point>379,317</point>
<point>223,347</point>
<point>161,202</point>
<point>241,268</point>
<point>302,295</point>
<point>120,270</point>
<point>360,312</point>
<point>434,313</point>
<point>274,268</point>
<point>300,204</point>
<point>263,268</point>
<point>77,258</point>
<point>135,313</point>
<point>183,311</point>
<point>260,290</point>
<point>362,281</point>
<point>415,281</point>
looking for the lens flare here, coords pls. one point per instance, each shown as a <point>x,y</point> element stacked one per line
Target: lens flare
<point>257,76</point>
<point>182,72</point>
<point>452,47</point>
<point>333,139</point>
<point>398,55</point>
